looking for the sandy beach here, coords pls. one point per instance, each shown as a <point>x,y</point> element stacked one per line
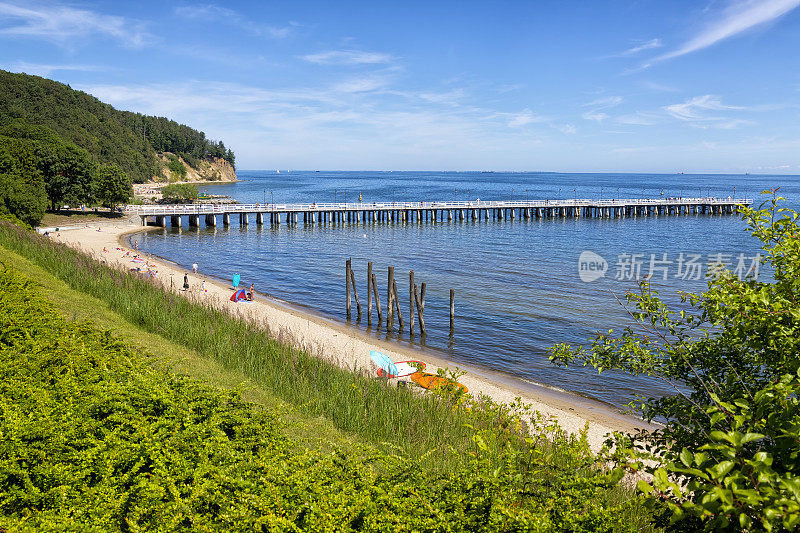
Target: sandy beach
<point>343,345</point>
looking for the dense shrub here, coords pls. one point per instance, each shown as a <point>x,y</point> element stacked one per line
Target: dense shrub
<point>731,444</point>
<point>92,438</point>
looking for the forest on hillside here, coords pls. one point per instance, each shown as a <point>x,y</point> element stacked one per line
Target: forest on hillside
<point>127,139</point>
<point>61,146</point>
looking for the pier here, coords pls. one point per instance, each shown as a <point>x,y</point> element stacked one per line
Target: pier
<point>419,212</point>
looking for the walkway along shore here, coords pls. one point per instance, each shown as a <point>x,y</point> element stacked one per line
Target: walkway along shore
<point>347,346</point>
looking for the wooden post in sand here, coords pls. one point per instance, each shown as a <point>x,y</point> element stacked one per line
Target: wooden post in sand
<point>420,308</point>
<point>355,293</point>
<point>411,302</point>
<point>396,299</point>
<point>452,308</point>
<point>389,306</point>
<point>347,286</point>
<point>369,293</point>
<point>377,298</point>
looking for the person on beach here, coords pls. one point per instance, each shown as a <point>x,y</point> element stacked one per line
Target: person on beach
<point>204,286</point>
<point>186,281</point>
<point>252,292</point>
<point>194,267</point>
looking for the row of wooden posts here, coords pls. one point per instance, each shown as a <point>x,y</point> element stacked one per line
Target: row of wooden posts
<point>416,299</point>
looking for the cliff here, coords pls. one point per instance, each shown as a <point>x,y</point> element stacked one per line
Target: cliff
<point>210,169</point>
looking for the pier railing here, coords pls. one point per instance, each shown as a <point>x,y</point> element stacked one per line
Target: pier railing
<point>208,209</point>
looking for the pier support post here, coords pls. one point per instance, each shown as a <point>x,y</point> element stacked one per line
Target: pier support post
<point>211,221</point>
<point>389,298</point>
<point>369,293</point>
<point>226,219</point>
<point>260,218</point>
<point>452,309</point>
<point>176,221</point>
<point>411,303</point>
<point>347,286</point>
<point>194,221</point>
<point>160,221</point>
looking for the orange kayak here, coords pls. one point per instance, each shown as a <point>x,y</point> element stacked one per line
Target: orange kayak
<point>432,381</point>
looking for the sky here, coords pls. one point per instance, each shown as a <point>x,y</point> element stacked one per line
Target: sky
<point>627,86</point>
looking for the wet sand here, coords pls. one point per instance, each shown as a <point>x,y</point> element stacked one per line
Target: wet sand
<point>346,346</point>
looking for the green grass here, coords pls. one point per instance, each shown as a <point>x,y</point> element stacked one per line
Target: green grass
<point>322,401</point>
<point>312,432</point>
<point>67,217</point>
<point>366,408</point>
<point>92,438</point>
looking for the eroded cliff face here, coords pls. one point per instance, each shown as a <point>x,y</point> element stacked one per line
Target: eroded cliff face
<point>214,169</point>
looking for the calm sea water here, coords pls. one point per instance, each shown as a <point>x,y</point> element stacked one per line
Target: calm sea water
<point>518,291</point>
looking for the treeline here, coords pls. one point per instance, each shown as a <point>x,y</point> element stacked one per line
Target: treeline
<point>166,135</point>
<point>39,170</point>
<point>129,140</point>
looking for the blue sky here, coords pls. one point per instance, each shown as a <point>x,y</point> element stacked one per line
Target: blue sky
<point>639,86</point>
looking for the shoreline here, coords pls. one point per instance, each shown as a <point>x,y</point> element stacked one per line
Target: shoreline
<point>349,347</point>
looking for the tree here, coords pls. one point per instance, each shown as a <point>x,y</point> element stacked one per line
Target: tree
<point>22,191</point>
<point>730,449</point>
<point>113,185</point>
<point>176,167</point>
<point>180,192</point>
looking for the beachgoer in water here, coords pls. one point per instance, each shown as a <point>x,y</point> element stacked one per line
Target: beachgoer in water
<point>186,281</point>
<point>194,267</point>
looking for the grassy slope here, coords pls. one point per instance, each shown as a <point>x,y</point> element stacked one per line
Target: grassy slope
<point>310,430</point>
<point>313,432</point>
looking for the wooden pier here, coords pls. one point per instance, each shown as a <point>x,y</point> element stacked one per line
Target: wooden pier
<point>419,212</point>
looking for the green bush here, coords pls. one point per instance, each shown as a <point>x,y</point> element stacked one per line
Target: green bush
<point>731,443</point>
<point>176,167</point>
<point>180,192</point>
<point>92,438</point>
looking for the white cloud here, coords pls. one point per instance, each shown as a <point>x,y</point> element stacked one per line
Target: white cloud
<point>361,85</point>
<point>523,118</point>
<point>637,119</point>
<point>596,116</point>
<point>649,45</point>
<point>693,108</point>
<point>700,111</point>
<point>64,25</point>
<point>37,69</point>
<point>604,103</point>
<point>567,129</point>
<point>736,18</point>
<point>598,106</point>
<point>369,128</point>
<point>348,57</point>
<point>215,13</point>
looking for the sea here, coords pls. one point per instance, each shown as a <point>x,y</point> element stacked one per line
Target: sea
<point>521,286</point>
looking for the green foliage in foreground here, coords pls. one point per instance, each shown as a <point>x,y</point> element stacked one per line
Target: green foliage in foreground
<point>94,439</point>
<point>731,446</point>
